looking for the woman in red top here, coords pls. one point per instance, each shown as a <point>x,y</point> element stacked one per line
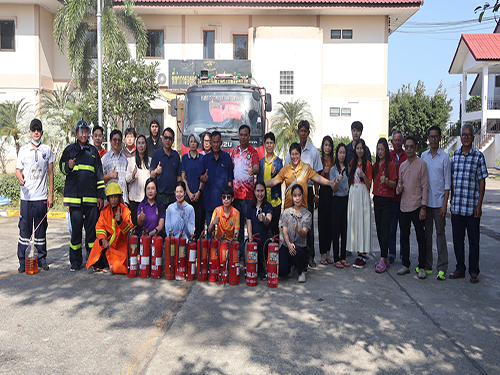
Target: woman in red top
<point>384,184</point>
<point>359,210</point>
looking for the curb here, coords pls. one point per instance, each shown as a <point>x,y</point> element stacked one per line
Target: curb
<point>16,213</point>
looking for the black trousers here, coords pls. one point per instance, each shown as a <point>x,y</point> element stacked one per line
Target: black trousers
<point>286,260</point>
<point>383,208</point>
<point>311,253</point>
<point>166,199</point>
<point>325,219</point>
<point>275,222</point>
<point>405,220</point>
<point>133,205</point>
<point>81,216</point>
<point>199,214</point>
<point>31,214</point>
<point>339,226</point>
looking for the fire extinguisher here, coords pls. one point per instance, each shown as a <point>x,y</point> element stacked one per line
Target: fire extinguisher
<point>252,255</point>
<point>213,265</point>
<point>223,258</point>
<point>132,240</point>
<point>156,256</point>
<point>170,256</point>
<point>202,258</point>
<point>234,262</point>
<point>191,268</point>
<point>273,256</point>
<point>145,252</point>
<point>181,257</point>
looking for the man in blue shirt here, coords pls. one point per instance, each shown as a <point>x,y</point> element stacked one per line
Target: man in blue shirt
<point>216,171</point>
<point>166,168</point>
<point>468,183</point>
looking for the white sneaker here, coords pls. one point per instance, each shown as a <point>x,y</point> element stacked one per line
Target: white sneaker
<point>404,270</point>
<point>421,273</point>
<point>302,278</point>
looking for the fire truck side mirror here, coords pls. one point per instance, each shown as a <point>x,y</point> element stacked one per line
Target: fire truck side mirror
<point>173,107</point>
<point>269,103</point>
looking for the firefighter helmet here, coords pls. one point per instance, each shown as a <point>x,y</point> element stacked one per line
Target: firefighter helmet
<point>113,189</point>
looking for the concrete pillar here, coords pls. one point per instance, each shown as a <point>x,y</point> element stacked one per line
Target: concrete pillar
<point>464,95</point>
<point>484,98</point>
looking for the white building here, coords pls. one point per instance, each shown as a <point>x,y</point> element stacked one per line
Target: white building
<point>333,54</point>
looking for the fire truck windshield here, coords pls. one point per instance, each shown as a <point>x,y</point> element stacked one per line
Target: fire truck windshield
<point>224,111</point>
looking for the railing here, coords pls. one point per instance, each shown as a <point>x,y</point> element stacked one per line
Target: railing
<point>493,102</point>
<point>484,132</point>
<point>450,131</point>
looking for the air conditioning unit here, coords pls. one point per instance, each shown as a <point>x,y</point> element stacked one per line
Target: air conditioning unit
<point>161,79</point>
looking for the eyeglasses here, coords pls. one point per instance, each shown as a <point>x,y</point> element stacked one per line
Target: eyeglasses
<point>116,140</point>
<point>37,130</point>
<point>467,135</point>
<point>409,147</point>
<point>228,197</point>
<point>168,138</point>
<point>434,137</point>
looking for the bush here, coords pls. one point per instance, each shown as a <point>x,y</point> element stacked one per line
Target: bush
<point>9,186</point>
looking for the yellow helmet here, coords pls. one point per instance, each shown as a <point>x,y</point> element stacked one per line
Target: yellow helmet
<point>113,189</point>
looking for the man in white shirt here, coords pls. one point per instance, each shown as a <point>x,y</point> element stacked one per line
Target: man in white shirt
<point>309,155</point>
<point>114,163</point>
<point>35,165</point>
<point>439,171</point>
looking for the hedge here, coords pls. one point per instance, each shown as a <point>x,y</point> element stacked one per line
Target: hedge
<point>9,185</point>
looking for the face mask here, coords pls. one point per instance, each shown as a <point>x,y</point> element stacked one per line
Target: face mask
<point>36,143</point>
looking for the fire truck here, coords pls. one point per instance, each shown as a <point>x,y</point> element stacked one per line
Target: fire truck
<point>224,103</point>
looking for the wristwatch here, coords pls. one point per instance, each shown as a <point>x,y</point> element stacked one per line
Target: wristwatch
<point>424,207</point>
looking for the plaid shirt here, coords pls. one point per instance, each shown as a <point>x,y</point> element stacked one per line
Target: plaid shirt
<point>466,171</point>
<point>109,162</point>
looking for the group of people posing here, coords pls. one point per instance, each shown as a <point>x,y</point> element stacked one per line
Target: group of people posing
<point>148,186</point>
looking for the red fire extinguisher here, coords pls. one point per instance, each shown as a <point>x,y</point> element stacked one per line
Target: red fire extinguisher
<point>145,253</point>
<point>191,268</point>
<point>156,256</point>
<point>234,262</point>
<point>170,256</point>
<point>273,256</point>
<point>252,259</point>
<point>132,241</point>
<point>202,258</point>
<point>223,258</point>
<point>213,270</point>
<point>181,257</point>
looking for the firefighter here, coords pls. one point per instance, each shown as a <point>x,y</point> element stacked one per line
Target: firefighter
<point>110,248</point>
<point>83,191</point>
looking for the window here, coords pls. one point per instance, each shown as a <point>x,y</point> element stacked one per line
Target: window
<point>91,38</point>
<point>346,111</point>
<point>7,34</point>
<point>346,34</point>
<point>286,82</point>
<point>155,43</point>
<point>497,81</point>
<point>334,111</point>
<point>335,34</point>
<point>208,44</point>
<point>240,47</point>
<point>341,34</point>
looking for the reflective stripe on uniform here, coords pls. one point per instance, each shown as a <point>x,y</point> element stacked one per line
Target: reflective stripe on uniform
<point>113,226</point>
<point>126,229</point>
<point>72,200</point>
<point>24,241</point>
<point>75,247</point>
<point>91,244</point>
<point>83,167</point>
<point>64,169</point>
<point>101,231</point>
<point>89,200</point>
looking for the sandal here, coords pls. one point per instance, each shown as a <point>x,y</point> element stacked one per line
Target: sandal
<point>345,263</point>
<point>330,261</point>
<point>380,266</point>
<point>324,262</point>
<point>338,264</point>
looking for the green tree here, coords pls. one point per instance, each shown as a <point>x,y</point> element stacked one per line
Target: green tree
<point>412,111</point>
<point>60,109</point>
<point>285,120</point>
<point>11,121</point>
<point>76,18</point>
<point>128,88</point>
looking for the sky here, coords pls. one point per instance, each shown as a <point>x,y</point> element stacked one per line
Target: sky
<point>423,50</point>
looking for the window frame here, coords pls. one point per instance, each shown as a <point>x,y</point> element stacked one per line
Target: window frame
<point>284,85</point>
<point>14,21</point>
<point>203,42</point>
<point>347,30</point>
<point>236,35</point>
<point>347,109</point>
<point>93,31</point>
<point>162,44</point>
<point>340,34</point>
<point>335,115</point>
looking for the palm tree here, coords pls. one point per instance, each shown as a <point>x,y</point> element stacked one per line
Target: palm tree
<point>75,19</point>
<point>11,115</point>
<point>60,108</point>
<point>284,123</point>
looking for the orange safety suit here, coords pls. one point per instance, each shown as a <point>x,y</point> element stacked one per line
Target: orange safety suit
<point>117,237</point>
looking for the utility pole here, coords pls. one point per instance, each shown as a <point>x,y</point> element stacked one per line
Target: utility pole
<point>99,64</point>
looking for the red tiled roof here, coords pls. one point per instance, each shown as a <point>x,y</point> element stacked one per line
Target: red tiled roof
<point>349,3</point>
<point>483,46</point>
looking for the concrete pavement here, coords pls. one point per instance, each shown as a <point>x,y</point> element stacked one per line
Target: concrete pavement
<point>340,321</point>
